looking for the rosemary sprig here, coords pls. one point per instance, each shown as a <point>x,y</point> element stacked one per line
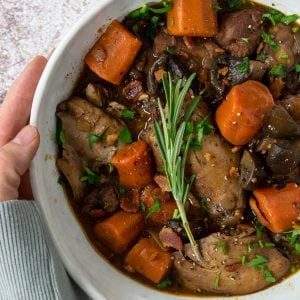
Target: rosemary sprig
<point>173,148</point>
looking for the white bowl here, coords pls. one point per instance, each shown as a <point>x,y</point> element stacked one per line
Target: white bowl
<point>94,274</point>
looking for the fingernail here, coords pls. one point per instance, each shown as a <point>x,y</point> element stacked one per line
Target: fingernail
<point>26,135</point>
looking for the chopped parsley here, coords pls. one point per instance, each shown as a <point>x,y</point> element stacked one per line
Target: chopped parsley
<point>275,16</point>
<point>262,56</point>
<point>128,114</point>
<point>203,204</point>
<point>298,68</point>
<point>243,260</point>
<point>269,245</point>
<point>287,20</point>
<point>93,138</point>
<point>61,181</point>
<point>125,136</point>
<point>122,191</point>
<point>143,207</point>
<point>245,40</point>
<point>260,263</point>
<point>295,29</point>
<point>144,11</point>
<point>176,214</point>
<point>259,228</point>
<point>110,167</point>
<point>170,49</point>
<point>284,56</point>
<point>60,136</point>
<point>198,130</point>
<point>261,244</point>
<point>165,283</point>
<point>244,68</point>
<point>217,281</point>
<point>278,71</point>
<point>90,177</point>
<point>154,208</point>
<point>223,246</point>
<point>268,40</point>
<point>294,238</point>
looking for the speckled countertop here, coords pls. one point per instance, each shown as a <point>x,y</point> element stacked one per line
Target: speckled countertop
<point>32,27</point>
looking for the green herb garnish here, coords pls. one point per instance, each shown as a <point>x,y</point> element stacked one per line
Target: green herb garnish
<point>297,68</point>
<point>269,245</point>
<point>260,263</point>
<point>143,11</point>
<point>261,244</point>
<point>217,281</point>
<point>259,228</point>
<point>165,283</point>
<point>262,56</point>
<point>287,20</point>
<point>223,246</point>
<point>245,40</point>
<point>153,209</point>
<point>284,56</point>
<point>61,181</point>
<point>110,167</point>
<point>278,71</point>
<point>90,177</point>
<point>122,191</point>
<point>243,260</point>
<point>93,138</point>
<point>169,137</point>
<point>60,136</point>
<point>268,40</point>
<point>203,201</point>
<point>125,136</point>
<point>244,68</point>
<point>273,15</point>
<point>143,207</point>
<point>295,29</point>
<point>128,114</point>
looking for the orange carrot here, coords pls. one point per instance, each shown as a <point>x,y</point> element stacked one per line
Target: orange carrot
<point>192,18</point>
<point>120,230</point>
<point>152,197</point>
<point>113,54</point>
<point>241,114</point>
<point>147,258</point>
<point>277,209</point>
<point>134,165</point>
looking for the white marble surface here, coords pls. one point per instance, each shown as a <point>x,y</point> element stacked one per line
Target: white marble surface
<point>32,27</point>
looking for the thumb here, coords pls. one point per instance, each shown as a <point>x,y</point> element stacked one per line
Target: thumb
<point>15,158</point>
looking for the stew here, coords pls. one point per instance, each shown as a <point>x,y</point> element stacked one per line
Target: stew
<point>180,146</point>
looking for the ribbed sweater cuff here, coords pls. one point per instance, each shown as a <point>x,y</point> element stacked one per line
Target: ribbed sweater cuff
<point>29,266</point>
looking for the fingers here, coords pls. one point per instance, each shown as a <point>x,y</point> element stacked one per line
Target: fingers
<point>15,110</point>
<point>15,158</point>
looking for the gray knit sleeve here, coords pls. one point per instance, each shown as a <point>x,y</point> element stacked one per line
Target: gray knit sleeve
<point>30,268</point>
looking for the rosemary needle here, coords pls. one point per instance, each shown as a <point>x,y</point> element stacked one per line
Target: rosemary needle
<point>173,148</point>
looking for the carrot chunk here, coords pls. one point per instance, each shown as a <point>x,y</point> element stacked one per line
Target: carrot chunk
<point>134,165</point>
<point>277,209</point>
<point>120,230</point>
<point>192,18</point>
<point>113,54</point>
<point>242,113</point>
<point>147,258</point>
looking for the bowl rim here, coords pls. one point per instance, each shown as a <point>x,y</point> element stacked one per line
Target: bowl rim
<point>84,283</point>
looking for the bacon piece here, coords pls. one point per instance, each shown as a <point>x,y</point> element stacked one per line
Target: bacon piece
<point>169,238</point>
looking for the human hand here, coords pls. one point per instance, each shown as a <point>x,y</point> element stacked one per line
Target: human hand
<point>18,142</point>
